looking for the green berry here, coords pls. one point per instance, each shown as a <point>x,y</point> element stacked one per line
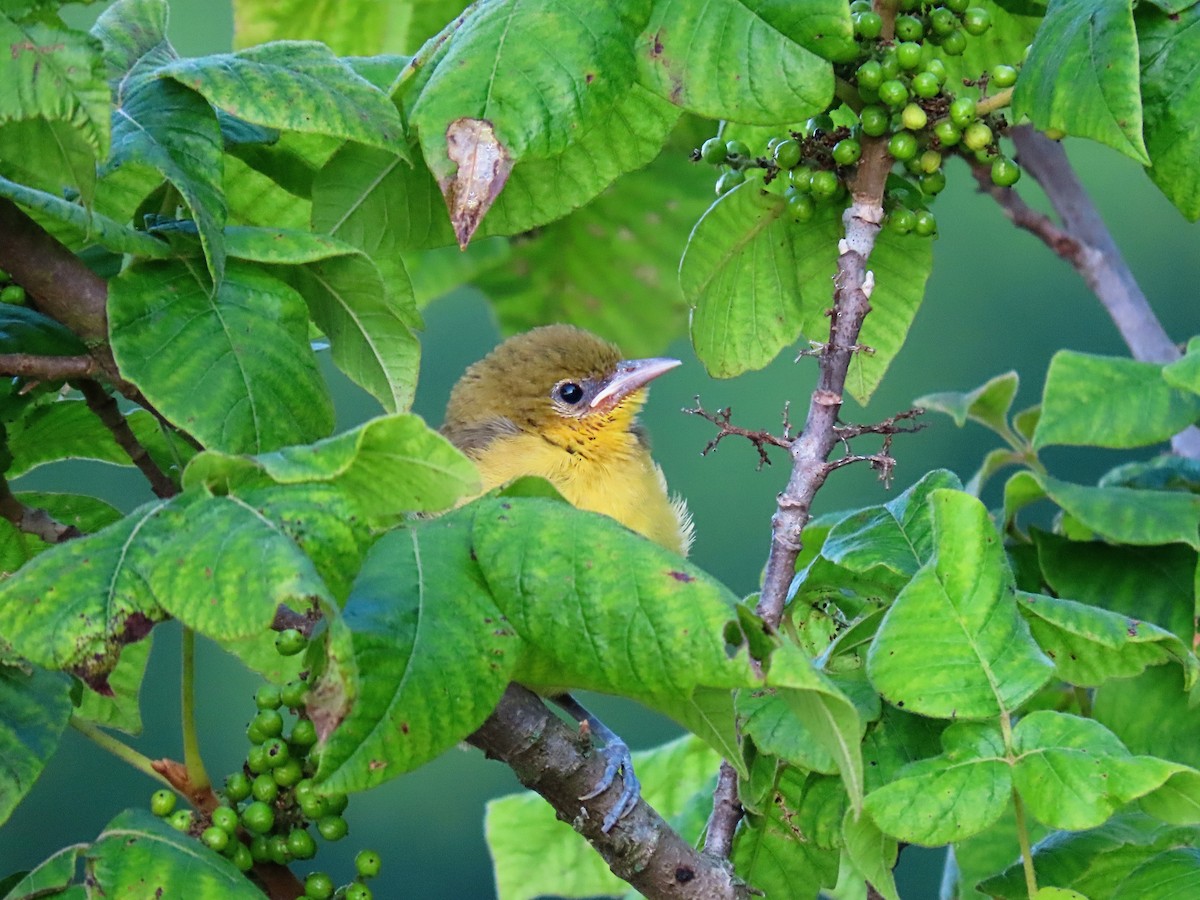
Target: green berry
<point>962,111</point>
<point>332,828</point>
<point>869,74</point>
<point>1005,172</point>
<point>313,805</point>
<point>824,184</point>
<point>293,693</point>
<point>737,148</point>
<point>799,206</point>
<point>909,28</point>
<point>958,7</point>
<point>913,117</point>
<point>264,788</point>
<point>713,152</point>
<point>337,803</point>
<point>893,92</point>
<point>242,858</point>
<point>947,133</point>
<point>847,152</point>
<point>304,734</point>
<point>319,886</point>
<point>215,838</point>
<point>225,817</point>
<point>277,752</point>
<point>162,803</point>
<point>875,120</point>
<point>367,863</point>
<point>254,734</point>
<point>256,760</point>
<point>860,6</point>
<point>787,154</point>
<point>929,161</point>
<point>258,817</point>
<point>977,20</point>
<point>908,54</point>
<point>290,641</point>
<point>977,136</point>
<point>932,183</point>
<point>301,844</point>
<point>14,294</point>
<point>902,145</point>
<point>937,69</point>
<point>889,65</point>
<point>1003,76</point>
<point>278,851</point>
<point>801,178</point>
<point>954,44</point>
<point>925,84</point>
<point>867,25</point>
<point>822,123</point>
<point>268,722</point>
<point>259,850</point>
<point>356,890</point>
<point>287,774</point>
<point>267,697</point>
<point>237,787</point>
<point>180,820</point>
<point>902,220</point>
<point>942,21</point>
<point>729,180</point>
<point>926,223</point>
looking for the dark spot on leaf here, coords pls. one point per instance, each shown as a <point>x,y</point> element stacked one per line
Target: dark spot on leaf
<point>137,626</point>
<point>207,572</point>
<point>684,874</point>
<point>1132,630</point>
<point>404,728</point>
<point>899,704</point>
<point>589,77</point>
<point>1074,657</point>
<point>873,762</point>
<point>474,558</point>
<point>487,620</point>
<point>657,48</point>
<point>682,576</point>
<point>1051,654</point>
<point>377,764</point>
<point>506,506</point>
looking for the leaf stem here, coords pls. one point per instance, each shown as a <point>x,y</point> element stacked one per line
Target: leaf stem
<point>119,749</point>
<point>197,776</point>
<point>1084,698</point>
<point>997,101</point>
<point>1026,850</point>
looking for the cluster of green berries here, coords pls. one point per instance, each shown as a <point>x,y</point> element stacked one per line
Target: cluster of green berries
<point>9,291</point>
<point>268,806</point>
<point>903,97</point>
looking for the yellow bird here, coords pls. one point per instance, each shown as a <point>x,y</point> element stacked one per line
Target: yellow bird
<point>560,403</point>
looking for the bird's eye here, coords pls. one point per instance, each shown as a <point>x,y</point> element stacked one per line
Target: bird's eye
<point>570,392</point>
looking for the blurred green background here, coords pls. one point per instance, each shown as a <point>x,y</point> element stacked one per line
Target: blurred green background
<point>997,300</point>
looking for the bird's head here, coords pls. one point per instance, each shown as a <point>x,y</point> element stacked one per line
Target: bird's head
<point>558,381</point>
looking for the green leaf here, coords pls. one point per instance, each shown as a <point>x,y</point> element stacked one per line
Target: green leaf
<point>240,376</point>
<point>1172,874</point>
<point>989,404</point>
<point>755,280</point>
<point>139,855</point>
<point>896,739</point>
<point>1081,75</point>
<point>80,511</point>
<point>534,853</point>
<point>368,320</point>
<point>990,851</point>
<point>122,709</point>
<point>897,536</point>
<point>50,879</point>
<point>294,86</point>
<point>1169,42</point>
<point>1098,401</point>
<point>961,602</point>
<point>1151,715</point>
<point>872,852</point>
<point>355,27</point>
<point>34,708</point>
<point>56,74</point>
<point>389,467</point>
<point>49,156</point>
<point>25,330</point>
<point>1090,645</point>
<point>949,797</point>
<point>901,264</point>
<point>611,266</point>
<point>1074,773</point>
<point>1021,489</point>
<point>739,61</point>
<point>1130,516</point>
<point>438,652</point>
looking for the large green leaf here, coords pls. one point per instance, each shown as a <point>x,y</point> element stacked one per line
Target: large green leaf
<point>1081,75</point>
<point>534,853</point>
<point>437,651</point>
<point>34,708</point>
<point>872,852</point>
<point>350,27</point>
<point>25,330</point>
<point>1128,515</point>
<point>51,878</point>
<point>948,797</point>
<point>297,86</point>
<point>122,709</point>
<point>140,855</point>
<point>81,511</point>
<point>962,603</point>
<point>49,156</point>
<point>367,319</point>
<point>233,368</point>
<point>1074,773</point>
<point>57,74</point>
<point>1169,46</point>
<point>1101,401</point>
<point>1169,875</point>
<point>1151,715</point>
<point>1091,645</point>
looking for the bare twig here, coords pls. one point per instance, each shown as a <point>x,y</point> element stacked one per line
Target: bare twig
<point>760,439</point>
<point>101,403</point>
<point>37,522</point>
<point>48,368</point>
<point>726,813</point>
<point>546,756</point>
<point>1085,242</point>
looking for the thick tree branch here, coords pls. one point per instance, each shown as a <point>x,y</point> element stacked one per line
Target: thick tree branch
<point>1085,242</point>
<point>101,403</point>
<point>48,368</point>
<point>547,757</point>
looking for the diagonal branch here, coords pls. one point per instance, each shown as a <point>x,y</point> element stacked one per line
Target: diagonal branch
<point>101,403</point>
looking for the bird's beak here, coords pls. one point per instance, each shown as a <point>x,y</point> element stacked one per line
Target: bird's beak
<point>631,374</point>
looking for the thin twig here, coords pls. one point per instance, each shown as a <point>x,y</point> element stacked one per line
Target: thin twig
<point>101,403</point>
<point>726,813</point>
<point>48,368</point>
<point>760,439</point>
<point>33,521</point>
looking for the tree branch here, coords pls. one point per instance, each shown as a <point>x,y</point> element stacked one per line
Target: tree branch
<point>48,368</point>
<point>1085,242</point>
<point>546,756</point>
<point>726,813</point>
<point>37,522</point>
<point>101,403</point>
